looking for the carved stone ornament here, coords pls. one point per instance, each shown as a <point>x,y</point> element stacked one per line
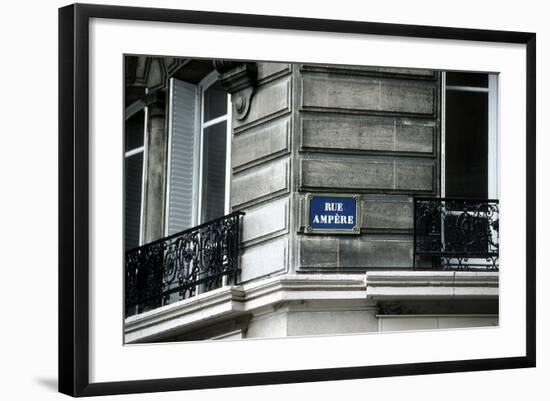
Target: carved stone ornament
<point>239,79</point>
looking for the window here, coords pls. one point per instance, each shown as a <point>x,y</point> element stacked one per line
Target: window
<point>469,169</point>
<point>198,153</point>
<point>134,152</point>
<point>470,136</point>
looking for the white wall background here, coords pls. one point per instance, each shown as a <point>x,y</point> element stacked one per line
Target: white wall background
<point>28,201</point>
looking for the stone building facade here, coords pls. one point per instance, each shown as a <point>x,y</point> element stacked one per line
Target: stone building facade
<point>293,130</point>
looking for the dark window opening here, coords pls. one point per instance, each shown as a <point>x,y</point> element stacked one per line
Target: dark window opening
<point>133,178</point>
<point>466,141</point>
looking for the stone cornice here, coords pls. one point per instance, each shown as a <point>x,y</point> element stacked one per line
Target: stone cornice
<point>232,302</point>
<point>408,285</point>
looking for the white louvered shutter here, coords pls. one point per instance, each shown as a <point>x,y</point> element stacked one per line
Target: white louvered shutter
<point>182,157</point>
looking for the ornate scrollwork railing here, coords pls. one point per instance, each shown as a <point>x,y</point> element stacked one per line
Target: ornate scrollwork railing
<point>180,266</point>
<point>456,233</point>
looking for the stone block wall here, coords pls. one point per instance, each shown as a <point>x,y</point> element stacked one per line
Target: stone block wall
<point>261,170</point>
<point>369,131</point>
<point>334,129</point>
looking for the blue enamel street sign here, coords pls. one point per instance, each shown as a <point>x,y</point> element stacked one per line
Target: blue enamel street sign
<point>332,213</point>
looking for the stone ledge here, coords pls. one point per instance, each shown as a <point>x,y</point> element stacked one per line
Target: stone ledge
<point>240,300</point>
<point>253,297</point>
<point>414,285</point>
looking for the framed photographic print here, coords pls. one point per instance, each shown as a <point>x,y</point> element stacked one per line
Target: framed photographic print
<point>267,214</point>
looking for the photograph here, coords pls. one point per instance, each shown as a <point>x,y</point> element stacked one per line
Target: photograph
<point>274,199</point>
<point>301,199</point>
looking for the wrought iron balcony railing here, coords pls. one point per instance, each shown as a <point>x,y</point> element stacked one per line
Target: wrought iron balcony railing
<point>180,266</point>
<point>456,233</point>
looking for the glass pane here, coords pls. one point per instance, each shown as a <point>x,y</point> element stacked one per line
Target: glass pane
<point>466,144</point>
<point>213,184</point>
<point>215,102</point>
<point>133,166</point>
<point>467,79</point>
<point>134,130</point>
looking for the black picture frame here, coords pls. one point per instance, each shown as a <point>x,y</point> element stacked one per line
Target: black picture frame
<point>74,198</point>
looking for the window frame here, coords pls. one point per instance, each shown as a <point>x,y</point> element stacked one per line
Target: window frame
<point>198,151</point>
<point>203,86</point>
<point>493,132</point>
<point>144,150</point>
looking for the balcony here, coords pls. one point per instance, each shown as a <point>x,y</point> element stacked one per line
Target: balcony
<point>456,234</point>
<point>182,265</point>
